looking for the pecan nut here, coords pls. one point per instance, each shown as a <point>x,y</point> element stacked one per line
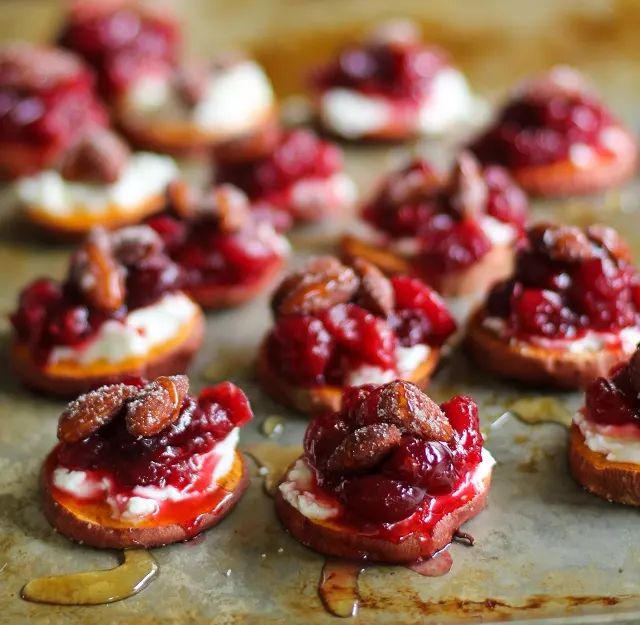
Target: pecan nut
<point>182,199</point>
<point>560,242</point>
<point>402,404</point>
<point>322,283</point>
<point>469,191</point>
<point>133,244</point>
<point>611,241</point>
<point>88,413</point>
<point>231,207</point>
<point>157,405</point>
<point>98,156</point>
<point>364,448</point>
<point>376,291</point>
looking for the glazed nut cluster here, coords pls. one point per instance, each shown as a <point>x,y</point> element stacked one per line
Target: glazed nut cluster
<point>400,409</point>
<point>325,282</point>
<point>148,409</point>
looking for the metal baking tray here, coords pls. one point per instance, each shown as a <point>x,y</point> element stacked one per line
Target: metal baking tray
<point>545,552</point>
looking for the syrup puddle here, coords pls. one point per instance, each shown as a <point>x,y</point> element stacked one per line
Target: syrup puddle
<point>137,570</point>
<point>272,426</point>
<point>535,410</point>
<point>436,566</point>
<point>338,587</point>
<point>273,460</point>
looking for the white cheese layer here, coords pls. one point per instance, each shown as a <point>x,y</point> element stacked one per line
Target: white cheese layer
<point>296,488</point>
<point>136,335</point>
<point>448,103</point>
<point>145,176</point>
<point>609,441</point>
<point>145,501</point>
<point>407,359</point>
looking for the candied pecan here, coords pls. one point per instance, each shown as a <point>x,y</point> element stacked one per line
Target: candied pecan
<point>561,242</point>
<point>88,413</point>
<point>610,240</point>
<point>98,156</point>
<point>364,448</point>
<point>190,82</point>
<point>231,207</point>
<point>634,370</point>
<point>322,283</point>
<point>97,272</point>
<point>404,405</point>
<point>136,243</point>
<point>468,188</point>
<point>157,405</point>
<point>375,292</point>
<point>183,199</point>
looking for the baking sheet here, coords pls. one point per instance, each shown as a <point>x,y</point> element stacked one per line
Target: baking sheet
<point>545,551</point>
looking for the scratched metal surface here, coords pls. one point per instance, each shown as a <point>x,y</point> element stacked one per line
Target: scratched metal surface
<point>545,551</point>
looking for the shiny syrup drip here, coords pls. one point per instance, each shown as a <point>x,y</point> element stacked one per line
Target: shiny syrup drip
<point>272,426</point>
<point>273,460</point>
<point>437,565</point>
<point>534,410</point>
<point>137,570</point>
<point>338,587</point>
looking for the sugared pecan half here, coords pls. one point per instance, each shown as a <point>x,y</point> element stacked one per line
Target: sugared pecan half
<point>98,156</point>
<point>322,283</point>
<point>403,404</point>
<point>183,199</point>
<point>560,242</point>
<point>157,405</point>
<point>610,240</point>
<point>134,244</point>
<point>469,191</point>
<point>375,292</point>
<point>232,208</point>
<point>364,448</point>
<point>97,272</point>
<point>88,413</point>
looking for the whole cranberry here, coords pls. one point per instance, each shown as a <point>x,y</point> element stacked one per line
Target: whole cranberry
<point>507,201</point>
<point>541,312</point>
<point>323,435</point>
<point>172,231</point>
<point>301,347</point>
<point>428,464</point>
<point>229,398</point>
<point>68,326</point>
<point>379,498</point>
<point>462,412</point>
<point>500,296</point>
<point>149,280</point>
<point>34,303</point>
<point>353,397</point>
<point>607,404</point>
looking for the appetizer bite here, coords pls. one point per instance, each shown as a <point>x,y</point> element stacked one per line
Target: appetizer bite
<point>604,440</point>
<point>569,313</point>
<point>459,235</point>
<point>557,138</point>
<point>301,180</point>
<point>338,326</point>
<point>226,252</point>
<point>392,87</point>
<point>46,101</point>
<point>162,103</point>
<point>389,478</point>
<point>144,464</point>
<point>96,181</point>
<point>119,312</point>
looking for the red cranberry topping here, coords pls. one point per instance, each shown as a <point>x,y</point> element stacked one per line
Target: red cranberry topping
<point>607,404</point>
<point>165,459</point>
<point>121,42</point>
<point>46,101</point>
<point>299,154</point>
<point>539,126</point>
<point>557,292</point>
<point>393,69</point>
<point>395,486</point>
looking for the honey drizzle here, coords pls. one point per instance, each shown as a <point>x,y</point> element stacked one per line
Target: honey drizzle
<point>273,461</point>
<point>437,565</point>
<point>338,588</point>
<point>135,573</point>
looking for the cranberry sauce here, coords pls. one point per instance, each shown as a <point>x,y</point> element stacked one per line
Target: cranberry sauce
<point>399,71</point>
<point>121,43</point>
<point>165,459</point>
<point>542,123</point>
<point>208,256</point>
<point>46,101</point>
<point>443,218</point>
<point>298,155</point>
<point>566,282</point>
<point>410,474</point>
<point>324,348</point>
<point>615,400</point>
<point>51,313</point>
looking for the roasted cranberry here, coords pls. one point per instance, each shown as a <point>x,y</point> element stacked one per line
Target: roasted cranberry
<point>172,231</point>
<point>224,407</point>
<point>427,464</point>
<point>507,201</point>
<point>420,315</point>
<point>607,404</point>
<point>35,300</point>
<point>500,296</point>
<point>148,281</point>
<point>379,498</point>
<point>462,413</point>
<point>541,312</point>
<point>68,326</point>
<point>361,335</point>
<point>323,435</point>
<point>352,399</point>
<point>302,347</point>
